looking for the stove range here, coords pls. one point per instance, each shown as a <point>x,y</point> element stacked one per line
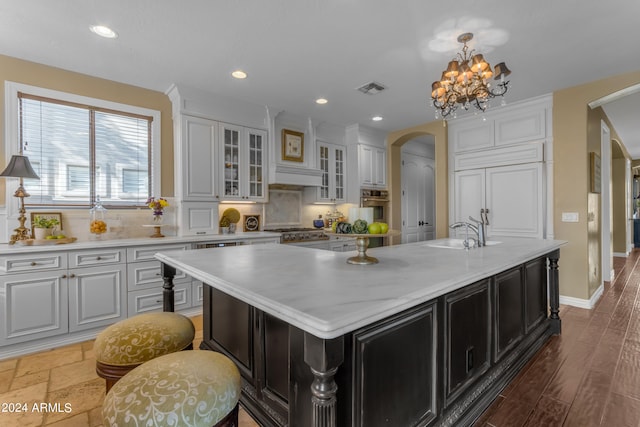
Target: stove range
<point>300,234</point>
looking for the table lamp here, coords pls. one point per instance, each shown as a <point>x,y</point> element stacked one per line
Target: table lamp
<point>20,167</point>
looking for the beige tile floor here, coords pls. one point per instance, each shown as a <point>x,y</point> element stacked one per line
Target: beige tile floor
<point>63,385</point>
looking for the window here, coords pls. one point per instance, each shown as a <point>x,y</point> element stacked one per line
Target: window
<point>82,148</point>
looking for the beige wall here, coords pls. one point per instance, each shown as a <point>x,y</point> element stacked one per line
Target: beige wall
<point>395,140</point>
<point>33,74</point>
<point>571,180</point>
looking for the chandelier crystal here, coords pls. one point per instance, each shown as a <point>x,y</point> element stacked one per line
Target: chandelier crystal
<point>465,82</point>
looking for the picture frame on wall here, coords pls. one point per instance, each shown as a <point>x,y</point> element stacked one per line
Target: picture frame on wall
<point>292,145</point>
<point>595,172</point>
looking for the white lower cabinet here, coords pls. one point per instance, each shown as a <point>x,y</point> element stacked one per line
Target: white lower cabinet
<point>144,280</point>
<point>146,300</point>
<point>33,306</point>
<point>97,296</point>
<point>52,296</point>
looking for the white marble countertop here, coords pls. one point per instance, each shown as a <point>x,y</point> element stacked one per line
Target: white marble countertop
<point>318,292</point>
<point>6,249</point>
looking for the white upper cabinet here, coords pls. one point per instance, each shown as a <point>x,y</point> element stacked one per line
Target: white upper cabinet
<point>242,162</point>
<point>525,122</point>
<point>196,165</point>
<point>474,135</point>
<point>372,166</point>
<point>332,162</point>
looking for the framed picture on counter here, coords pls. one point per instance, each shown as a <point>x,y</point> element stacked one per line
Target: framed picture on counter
<point>251,223</point>
<point>46,215</point>
<point>292,145</point>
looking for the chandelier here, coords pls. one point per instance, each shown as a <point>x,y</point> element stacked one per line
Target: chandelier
<point>465,82</point>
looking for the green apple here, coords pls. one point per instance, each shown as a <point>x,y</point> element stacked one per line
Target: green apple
<point>50,237</point>
<point>60,236</point>
<point>374,228</point>
<point>384,227</point>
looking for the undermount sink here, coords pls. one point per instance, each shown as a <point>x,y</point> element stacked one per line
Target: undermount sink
<point>454,243</point>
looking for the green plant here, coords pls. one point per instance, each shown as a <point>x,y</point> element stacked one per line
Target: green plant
<point>224,221</point>
<point>43,222</point>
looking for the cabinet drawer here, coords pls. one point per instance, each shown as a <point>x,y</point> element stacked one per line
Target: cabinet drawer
<point>144,253</point>
<point>93,257</point>
<point>151,299</point>
<point>146,275</point>
<point>30,263</point>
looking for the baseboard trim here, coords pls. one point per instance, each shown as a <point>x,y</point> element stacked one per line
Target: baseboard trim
<point>583,303</point>
<point>622,254</point>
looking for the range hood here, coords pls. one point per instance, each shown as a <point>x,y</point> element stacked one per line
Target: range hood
<point>295,175</point>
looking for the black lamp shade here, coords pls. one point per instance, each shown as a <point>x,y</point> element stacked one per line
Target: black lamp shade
<point>19,167</point>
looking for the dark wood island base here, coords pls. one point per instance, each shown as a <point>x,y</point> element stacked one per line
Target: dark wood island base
<point>440,363</point>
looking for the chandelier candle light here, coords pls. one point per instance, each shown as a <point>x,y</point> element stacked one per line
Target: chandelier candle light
<point>465,82</point>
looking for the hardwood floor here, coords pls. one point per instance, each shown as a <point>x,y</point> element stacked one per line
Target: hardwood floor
<point>587,376</point>
<point>590,374</point>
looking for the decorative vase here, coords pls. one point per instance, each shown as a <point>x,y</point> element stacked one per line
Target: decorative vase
<point>224,230</point>
<point>41,233</point>
<point>157,218</point>
<point>232,228</point>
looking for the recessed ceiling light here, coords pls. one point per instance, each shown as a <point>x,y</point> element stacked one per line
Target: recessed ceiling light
<point>103,31</point>
<point>321,101</point>
<point>239,74</point>
<point>376,118</point>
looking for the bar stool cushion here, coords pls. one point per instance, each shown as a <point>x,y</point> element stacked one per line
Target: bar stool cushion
<point>143,337</point>
<point>194,388</point>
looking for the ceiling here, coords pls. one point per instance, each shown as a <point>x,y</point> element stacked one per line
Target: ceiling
<point>295,51</point>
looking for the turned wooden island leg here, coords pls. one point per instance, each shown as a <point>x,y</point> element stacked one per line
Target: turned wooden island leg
<point>554,293</point>
<point>323,357</point>
<point>168,273</point>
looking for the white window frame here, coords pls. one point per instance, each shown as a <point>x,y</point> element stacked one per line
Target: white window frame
<point>12,133</point>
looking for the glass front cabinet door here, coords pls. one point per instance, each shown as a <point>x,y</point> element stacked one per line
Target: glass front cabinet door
<point>243,163</point>
<point>331,159</point>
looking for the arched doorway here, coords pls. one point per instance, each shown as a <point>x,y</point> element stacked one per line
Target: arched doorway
<point>395,140</point>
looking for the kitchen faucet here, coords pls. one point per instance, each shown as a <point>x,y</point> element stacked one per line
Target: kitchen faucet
<point>479,227</point>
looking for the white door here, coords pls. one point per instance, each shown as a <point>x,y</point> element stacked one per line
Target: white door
<point>418,198</point>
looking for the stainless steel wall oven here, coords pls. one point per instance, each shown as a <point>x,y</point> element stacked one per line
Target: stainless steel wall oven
<point>379,201</point>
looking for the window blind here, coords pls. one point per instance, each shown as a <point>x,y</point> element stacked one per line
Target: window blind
<point>81,152</point>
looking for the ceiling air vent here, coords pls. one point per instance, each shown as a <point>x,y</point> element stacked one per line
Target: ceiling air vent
<point>372,88</point>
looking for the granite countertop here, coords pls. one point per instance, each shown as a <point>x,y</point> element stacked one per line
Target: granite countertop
<point>6,249</point>
<point>318,292</point>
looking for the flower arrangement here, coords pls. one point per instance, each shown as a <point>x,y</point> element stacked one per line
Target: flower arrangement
<point>157,205</point>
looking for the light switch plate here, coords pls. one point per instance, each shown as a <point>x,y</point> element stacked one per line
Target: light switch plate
<point>570,216</point>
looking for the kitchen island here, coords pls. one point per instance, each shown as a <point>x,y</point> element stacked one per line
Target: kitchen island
<point>428,336</point>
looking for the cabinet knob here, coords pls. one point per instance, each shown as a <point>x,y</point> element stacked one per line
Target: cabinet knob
<point>64,276</point>
<point>72,276</point>
<point>98,258</point>
<point>33,263</point>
